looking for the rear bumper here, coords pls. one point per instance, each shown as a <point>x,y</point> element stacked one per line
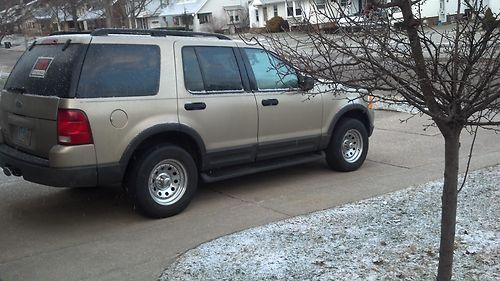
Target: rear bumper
<point>37,170</point>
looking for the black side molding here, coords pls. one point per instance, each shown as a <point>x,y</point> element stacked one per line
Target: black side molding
<point>237,171</point>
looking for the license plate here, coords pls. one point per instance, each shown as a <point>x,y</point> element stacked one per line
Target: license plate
<point>22,136</point>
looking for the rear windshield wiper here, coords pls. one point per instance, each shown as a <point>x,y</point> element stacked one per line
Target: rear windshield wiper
<point>20,90</point>
<point>66,45</point>
<point>32,45</point>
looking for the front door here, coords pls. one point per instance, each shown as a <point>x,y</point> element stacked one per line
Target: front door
<point>289,119</point>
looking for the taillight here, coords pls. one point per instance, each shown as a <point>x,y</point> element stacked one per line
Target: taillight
<point>73,127</point>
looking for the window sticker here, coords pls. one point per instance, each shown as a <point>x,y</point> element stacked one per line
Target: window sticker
<point>41,67</point>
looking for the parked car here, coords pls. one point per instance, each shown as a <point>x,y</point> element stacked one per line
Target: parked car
<point>156,110</point>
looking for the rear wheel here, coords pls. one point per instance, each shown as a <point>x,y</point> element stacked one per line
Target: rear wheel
<point>348,147</point>
<point>162,181</point>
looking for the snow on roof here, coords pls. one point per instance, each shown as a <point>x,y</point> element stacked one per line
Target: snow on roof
<point>179,8</point>
<point>42,13</point>
<point>266,2</point>
<point>91,15</point>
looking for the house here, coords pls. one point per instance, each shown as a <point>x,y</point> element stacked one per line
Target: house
<point>149,17</point>
<point>207,15</point>
<point>295,11</point>
<point>92,15</point>
<point>40,21</point>
<point>92,18</point>
<point>445,11</point>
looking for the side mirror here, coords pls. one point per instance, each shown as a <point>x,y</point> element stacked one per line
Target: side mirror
<point>306,83</point>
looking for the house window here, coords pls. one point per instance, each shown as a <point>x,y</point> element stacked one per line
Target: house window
<point>205,18</point>
<point>320,4</point>
<point>298,10</point>
<point>142,23</point>
<point>294,9</point>
<point>264,11</point>
<point>257,15</point>
<point>176,21</point>
<point>234,16</point>
<point>344,3</point>
<point>275,10</point>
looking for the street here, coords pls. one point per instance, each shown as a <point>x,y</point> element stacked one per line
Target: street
<point>51,233</point>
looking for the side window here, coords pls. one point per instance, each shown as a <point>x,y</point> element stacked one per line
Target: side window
<point>270,72</point>
<point>211,69</point>
<point>117,70</point>
<point>192,74</point>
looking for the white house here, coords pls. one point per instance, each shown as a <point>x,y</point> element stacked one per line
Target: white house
<point>444,11</point>
<point>294,11</point>
<point>207,15</point>
<point>150,16</point>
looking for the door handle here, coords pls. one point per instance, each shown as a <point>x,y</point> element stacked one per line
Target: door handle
<point>270,102</point>
<point>195,106</point>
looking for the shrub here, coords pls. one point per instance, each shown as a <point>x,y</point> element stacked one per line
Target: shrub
<point>276,24</point>
<point>489,20</point>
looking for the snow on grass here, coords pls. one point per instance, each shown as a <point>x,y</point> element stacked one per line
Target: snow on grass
<point>391,237</point>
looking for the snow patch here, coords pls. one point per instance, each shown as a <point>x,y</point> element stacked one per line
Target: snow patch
<point>394,236</point>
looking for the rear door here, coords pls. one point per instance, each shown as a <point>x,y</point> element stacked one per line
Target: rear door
<point>215,100</point>
<point>47,72</point>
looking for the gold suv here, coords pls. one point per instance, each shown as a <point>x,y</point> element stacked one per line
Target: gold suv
<point>156,110</point>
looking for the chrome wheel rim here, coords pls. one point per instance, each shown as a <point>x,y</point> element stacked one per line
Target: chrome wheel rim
<point>352,146</point>
<point>167,182</point>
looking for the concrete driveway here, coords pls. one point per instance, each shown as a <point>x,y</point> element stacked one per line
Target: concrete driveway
<point>93,234</point>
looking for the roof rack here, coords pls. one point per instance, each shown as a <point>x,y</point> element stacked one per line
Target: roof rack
<point>68,32</point>
<point>155,32</point>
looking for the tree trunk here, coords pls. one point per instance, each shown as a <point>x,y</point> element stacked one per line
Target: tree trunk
<point>449,204</point>
<point>74,17</point>
<point>109,13</point>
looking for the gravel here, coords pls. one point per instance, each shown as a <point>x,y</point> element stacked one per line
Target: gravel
<point>391,237</point>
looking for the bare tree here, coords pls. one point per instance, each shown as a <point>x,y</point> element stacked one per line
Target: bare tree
<point>133,8</point>
<point>66,10</point>
<point>11,15</point>
<point>107,8</point>
<point>451,75</point>
<point>108,11</point>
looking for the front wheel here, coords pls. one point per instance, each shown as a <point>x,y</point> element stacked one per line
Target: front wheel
<point>348,146</point>
<point>162,181</point>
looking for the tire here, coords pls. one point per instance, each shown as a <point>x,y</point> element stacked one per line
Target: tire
<point>162,181</point>
<point>348,146</point>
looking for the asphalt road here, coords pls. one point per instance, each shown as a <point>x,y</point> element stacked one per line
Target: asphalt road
<point>94,234</point>
<point>8,58</point>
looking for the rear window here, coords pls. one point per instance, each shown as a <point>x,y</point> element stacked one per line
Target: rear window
<point>47,70</point>
<point>118,70</point>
